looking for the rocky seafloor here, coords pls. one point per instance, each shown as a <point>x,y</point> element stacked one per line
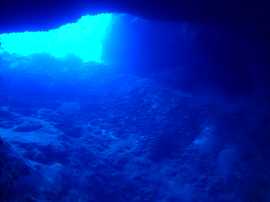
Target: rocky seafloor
<point>96,135</point>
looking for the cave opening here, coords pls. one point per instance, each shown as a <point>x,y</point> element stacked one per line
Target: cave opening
<point>83,39</point>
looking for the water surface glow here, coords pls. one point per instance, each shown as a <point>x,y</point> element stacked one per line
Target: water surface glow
<point>83,39</point>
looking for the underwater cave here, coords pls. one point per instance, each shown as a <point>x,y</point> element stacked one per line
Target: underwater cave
<point>132,101</point>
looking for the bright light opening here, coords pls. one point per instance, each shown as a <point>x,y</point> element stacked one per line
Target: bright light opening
<point>83,39</point>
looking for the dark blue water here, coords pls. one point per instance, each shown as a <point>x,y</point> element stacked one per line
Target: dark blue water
<point>73,131</point>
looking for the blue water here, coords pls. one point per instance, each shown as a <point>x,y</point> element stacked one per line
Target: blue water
<point>75,128</point>
<point>83,39</point>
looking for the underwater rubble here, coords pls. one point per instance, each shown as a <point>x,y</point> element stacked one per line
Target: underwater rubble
<point>115,137</point>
